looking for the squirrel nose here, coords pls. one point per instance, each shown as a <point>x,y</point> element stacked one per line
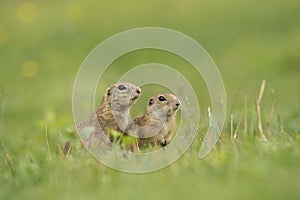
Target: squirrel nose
<point>178,103</point>
<point>138,91</point>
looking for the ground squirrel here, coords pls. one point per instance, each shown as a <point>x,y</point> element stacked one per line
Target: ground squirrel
<point>114,110</point>
<point>157,125</point>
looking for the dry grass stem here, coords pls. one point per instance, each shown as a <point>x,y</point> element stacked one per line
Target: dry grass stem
<point>60,150</point>
<point>246,115</point>
<point>231,126</point>
<point>251,128</point>
<point>282,131</point>
<point>258,101</point>
<point>47,140</point>
<point>8,159</point>
<point>237,127</point>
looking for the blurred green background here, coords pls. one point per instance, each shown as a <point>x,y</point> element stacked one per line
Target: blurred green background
<point>43,43</point>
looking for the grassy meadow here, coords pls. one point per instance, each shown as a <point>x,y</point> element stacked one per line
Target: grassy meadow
<point>42,45</point>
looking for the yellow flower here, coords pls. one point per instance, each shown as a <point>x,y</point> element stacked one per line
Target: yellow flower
<point>26,12</point>
<point>73,13</point>
<point>30,69</point>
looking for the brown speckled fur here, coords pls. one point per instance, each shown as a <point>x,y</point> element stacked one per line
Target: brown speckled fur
<point>114,110</point>
<point>160,117</point>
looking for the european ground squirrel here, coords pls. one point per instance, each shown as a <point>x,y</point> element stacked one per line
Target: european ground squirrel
<point>114,110</point>
<point>156,126</point>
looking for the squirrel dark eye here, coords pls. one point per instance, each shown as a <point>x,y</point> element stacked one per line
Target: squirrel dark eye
<point>121,87</point>
<point>161,98</point>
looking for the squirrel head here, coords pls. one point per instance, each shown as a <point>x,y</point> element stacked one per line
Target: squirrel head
<point>121,95</point>
<point>164,104</point>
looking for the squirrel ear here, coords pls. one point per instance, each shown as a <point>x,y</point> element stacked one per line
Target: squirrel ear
<point>151,101</point>
<point>108,92</point>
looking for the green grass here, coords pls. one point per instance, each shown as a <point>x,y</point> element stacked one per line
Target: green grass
<point>42,45</point>
<point>243,168</point>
